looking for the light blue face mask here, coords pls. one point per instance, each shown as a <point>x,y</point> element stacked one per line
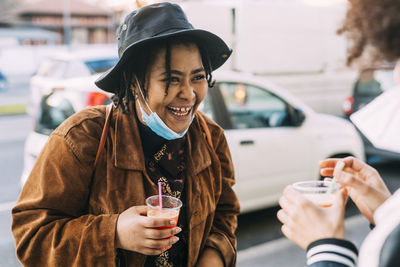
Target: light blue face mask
<point>154,122</point>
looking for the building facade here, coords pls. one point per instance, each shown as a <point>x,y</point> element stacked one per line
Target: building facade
<point>76,21</point>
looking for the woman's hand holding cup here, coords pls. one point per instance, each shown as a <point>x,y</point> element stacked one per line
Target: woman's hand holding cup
<point>304,221</point>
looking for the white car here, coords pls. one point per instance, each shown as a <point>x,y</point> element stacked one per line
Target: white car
<point>70,71</point>
<point>63,85</point>
<point>274,138</point>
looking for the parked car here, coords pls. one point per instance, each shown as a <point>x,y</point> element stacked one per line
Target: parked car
<point>63,85</point>
<point>371,83</point>
<point>274,138</point>
<point>69,71</point>
<point>3,82</point>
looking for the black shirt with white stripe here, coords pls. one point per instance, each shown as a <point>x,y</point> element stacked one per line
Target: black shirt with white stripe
<point>331,252</point>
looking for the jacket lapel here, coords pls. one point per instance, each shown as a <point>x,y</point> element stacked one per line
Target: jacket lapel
<point>198,160</point>
<point>198,148</point>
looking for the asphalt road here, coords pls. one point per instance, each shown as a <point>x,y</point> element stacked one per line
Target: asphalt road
<point>13,130</point>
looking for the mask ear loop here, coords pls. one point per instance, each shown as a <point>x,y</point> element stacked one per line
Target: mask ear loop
<point>142,95</point>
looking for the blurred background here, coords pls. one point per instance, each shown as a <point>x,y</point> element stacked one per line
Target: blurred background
<point>287,62</point>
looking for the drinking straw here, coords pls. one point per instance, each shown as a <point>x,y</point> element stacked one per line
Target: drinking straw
<point>339,166</point>
<point>159,195</point>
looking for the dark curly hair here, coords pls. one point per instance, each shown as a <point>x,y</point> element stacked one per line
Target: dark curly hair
<point>373,24</point>
<point>139,63</point>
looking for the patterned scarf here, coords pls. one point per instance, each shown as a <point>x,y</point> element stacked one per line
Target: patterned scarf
<point>165,163</point>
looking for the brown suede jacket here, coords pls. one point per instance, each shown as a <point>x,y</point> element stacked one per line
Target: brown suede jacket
<point>65,218</point>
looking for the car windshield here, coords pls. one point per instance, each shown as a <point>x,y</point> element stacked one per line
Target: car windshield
<point>52,68</point>
<point>100,65</point>
<point>374,82</point>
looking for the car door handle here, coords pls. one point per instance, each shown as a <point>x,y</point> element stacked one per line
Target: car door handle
<point>246,142</point>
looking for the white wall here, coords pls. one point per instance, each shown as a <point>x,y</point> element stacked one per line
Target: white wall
<point>213,16</point>
<point>289,41</point>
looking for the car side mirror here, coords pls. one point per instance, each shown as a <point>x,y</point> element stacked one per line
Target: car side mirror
<point>297,117</point>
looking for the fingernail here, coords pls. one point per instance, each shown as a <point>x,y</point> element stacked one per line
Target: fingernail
<point>177,230</point>
<point>172,222</point>
<point>339,165</point>
<point>176,239</point>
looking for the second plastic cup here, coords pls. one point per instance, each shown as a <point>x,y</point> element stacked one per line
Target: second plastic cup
<point>170,208</point>
<point>317,192</point>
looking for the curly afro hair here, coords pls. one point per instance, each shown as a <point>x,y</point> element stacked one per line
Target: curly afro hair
<point>373,24</point>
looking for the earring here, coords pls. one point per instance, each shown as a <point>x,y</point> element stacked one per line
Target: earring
<point>124,101</point>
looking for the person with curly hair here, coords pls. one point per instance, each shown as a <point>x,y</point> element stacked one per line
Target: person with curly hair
<point>373,28</point>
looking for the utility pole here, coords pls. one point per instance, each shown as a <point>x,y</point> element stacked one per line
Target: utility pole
<point>234,38</point>
<point>67,22</point>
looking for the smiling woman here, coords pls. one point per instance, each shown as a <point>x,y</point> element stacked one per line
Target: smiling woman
<point>71,213</point>
<point>190,71</point>
<point>173,96</point>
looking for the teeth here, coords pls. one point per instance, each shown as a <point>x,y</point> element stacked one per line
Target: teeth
<point>180,111</point>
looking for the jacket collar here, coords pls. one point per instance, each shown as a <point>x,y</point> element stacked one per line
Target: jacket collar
<point>128,150</point>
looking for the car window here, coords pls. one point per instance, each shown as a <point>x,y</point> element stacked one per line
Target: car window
<point>76,68</point>
<point>100,65</point>
<point>52,69</point>
<point>253,107</point>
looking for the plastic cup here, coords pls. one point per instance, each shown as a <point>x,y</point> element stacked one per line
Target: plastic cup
<point>170,208</point>
<point>317,192</point>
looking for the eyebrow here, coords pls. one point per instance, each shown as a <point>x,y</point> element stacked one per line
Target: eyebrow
<point>177,72</point>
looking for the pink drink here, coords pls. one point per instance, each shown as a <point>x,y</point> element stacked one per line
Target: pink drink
<point>168,214</point>
<point>170,210</point>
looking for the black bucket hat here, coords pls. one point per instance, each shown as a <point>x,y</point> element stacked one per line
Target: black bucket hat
<point>154,22</point>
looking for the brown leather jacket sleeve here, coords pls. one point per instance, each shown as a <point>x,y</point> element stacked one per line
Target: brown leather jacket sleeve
<point>50,223</point>
<point>222,236</point>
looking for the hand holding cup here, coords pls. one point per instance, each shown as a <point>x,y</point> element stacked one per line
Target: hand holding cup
<point>363,183</point>
<point>308,219</point>
<point>137,232</point>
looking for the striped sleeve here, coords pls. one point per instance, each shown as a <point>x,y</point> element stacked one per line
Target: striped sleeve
<point>331,252</point>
